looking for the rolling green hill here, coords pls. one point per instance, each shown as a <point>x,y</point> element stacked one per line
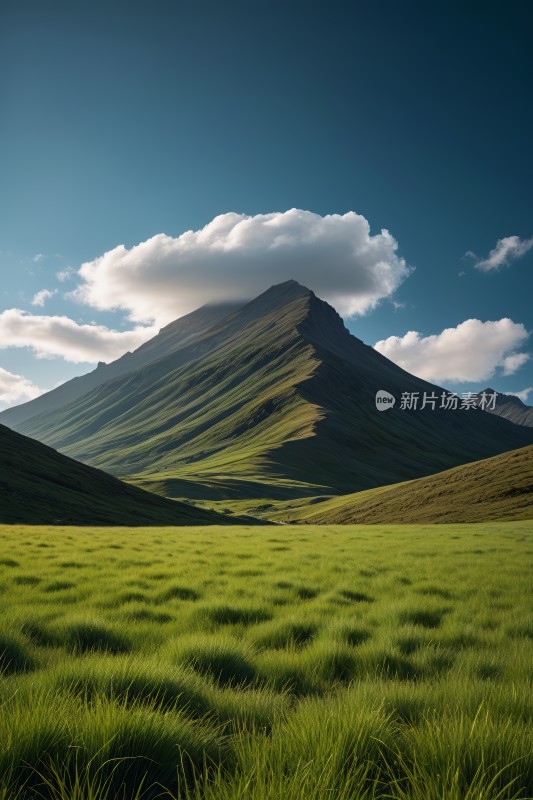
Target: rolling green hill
<point>276,400</point>
<point>39,486</point>
<point>498,488</point>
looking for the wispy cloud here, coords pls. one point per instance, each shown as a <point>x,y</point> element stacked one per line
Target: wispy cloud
<point>41,297</point>
<point>507,250</point>
<point>237,256</point>
<point>38,257</point>
<point>472,351</point>
<point>512,363</point>
<point>397,306</point>
<point>65,274</point>
<point>62,337</point>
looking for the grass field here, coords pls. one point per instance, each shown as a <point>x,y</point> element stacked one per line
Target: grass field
<point>269,662</point>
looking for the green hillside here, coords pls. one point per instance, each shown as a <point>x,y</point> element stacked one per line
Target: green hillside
<point>498,488</point>
<point>276,400</point>
<point>40,486</point>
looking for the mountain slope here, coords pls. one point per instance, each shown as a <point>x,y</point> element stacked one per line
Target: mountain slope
<point>275,400</point>
<point>39,486</point>
<point>170,338</point>
<point>497,488</point>
<point>512,408</point>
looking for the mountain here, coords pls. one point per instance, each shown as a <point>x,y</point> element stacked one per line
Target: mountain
<point>38,486</point>
<point>498,488</point>
<point>169,339</point>
<point>510,407</point>
<point>276,399</point>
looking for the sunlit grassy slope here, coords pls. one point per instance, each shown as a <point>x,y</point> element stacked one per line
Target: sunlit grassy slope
<point>277,400</point>
<point>498,488</point>
<point>292,662</point>
<point>39,485</point>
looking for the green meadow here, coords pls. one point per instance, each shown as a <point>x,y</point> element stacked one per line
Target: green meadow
<point>342,662</point>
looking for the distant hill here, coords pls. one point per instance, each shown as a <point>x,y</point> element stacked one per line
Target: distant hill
<point>274,400</point>
<point>498,488</point>
<point>39,486</point>
<point>511,407</point>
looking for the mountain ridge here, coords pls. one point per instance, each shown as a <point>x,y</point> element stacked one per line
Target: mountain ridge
<point>510,407</point>
<point>175,334</point>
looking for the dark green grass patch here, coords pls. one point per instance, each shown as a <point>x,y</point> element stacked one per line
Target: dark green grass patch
<point>131,597</point>
<point>14,655</point>
<point>409,644</point>
<point>355,597</point>
<point>178,593</point>
<point>39,633</point>
<point>235,615</point>
<point>435,591</point>
<point>85,637</point>
<point>306,592</point>
<point>224,662</point>
<point>286,634</point>
<point>521,630</point>
<point>424,617</point>
<point>26,580</point>
<point>148,615</point>
<point>356,636</point>
<point>336,664</point>
<point>391,666</point>
<point>58,586</point>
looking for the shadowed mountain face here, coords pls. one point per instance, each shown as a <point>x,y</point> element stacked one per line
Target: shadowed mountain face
<point>276,399</point>
<point>39,486</point>
<point>510,407</point>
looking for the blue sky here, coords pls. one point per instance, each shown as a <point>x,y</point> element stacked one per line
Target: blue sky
<point>122,121</point>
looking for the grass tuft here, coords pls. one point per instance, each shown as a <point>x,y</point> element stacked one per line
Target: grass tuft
<point>223,661</point>
<point>88,636</point>
<point>14,655</point>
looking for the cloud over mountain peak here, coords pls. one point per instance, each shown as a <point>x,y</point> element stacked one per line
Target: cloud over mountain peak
<point>236,256</point>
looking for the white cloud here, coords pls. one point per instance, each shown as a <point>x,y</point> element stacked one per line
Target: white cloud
<point>55,336</point>
<point>15,389</point>
<point>523,395</point>
<point>472,351</point>
<point>65,274</point>
<point>507,249</point>
<point>41,297</point>
<point>38,257</point>
<point>237,256</point>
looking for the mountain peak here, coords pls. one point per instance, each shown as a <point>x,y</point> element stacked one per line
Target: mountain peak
<point>290,289</point>
<point>292,284</point>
